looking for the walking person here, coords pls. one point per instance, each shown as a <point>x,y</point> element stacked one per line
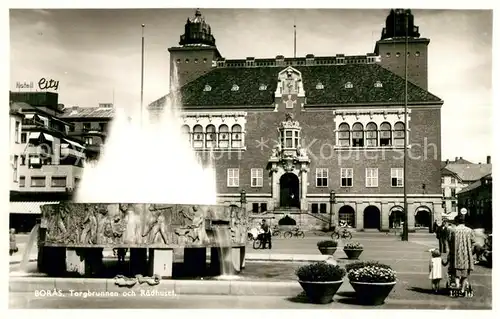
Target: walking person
<point>442,236</point>
<point>435,269</point>
<point>267,234</point>
<point>460,258</point>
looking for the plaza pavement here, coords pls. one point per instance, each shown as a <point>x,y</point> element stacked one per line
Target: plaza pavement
<point>409,259</point>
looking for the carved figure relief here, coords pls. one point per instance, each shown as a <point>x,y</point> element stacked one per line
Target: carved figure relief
<point>139,224</point>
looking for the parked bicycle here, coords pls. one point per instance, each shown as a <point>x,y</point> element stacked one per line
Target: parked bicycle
<point>296,232</point>
<point>276,232</point>
<point>344,234</point>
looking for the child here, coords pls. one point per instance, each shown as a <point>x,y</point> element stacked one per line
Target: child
<point>12,241</point>
<point>435,269</point>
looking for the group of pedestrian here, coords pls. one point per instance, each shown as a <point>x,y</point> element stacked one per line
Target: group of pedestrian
<point>458,242</point>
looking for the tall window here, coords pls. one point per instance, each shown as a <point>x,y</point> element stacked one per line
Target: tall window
<point>372,177</point>
<point>453,192</point>
<point>89,141</point>
<point>344,134</point>
<point>322,208</point>
<point>233,177</point>
<point>16,133</point>
<point>453,180</point>
<point>223,136</point>
<point>396,177</point>
<point>371,134</point>
<point>257,177</point>
<point>346,177</point>
<point>385,134</point>
<point>23,138</point>
<point>15,168</point>
<point>236,137</point>
<point>321,177</point>
<point>22,181</point>
<point>86,127</point>
<point>185,132</point>
<point>210,137</point>
<point>198,136</point>
<point>357,135</point>
<point>399,134</point>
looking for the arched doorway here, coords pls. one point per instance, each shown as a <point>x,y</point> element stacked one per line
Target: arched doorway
<point>371,217</point>
<point>347,216</point>
<point>396,217</point>
<point>289,190</point>
<point>423,217</point>
<point>287,221</point>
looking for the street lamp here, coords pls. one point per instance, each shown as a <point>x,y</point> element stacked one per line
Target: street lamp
<point>332,201</point>
<point>404,237</point>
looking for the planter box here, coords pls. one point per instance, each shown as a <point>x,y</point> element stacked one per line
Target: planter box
<point>321,292</point>
<point>327,250</point>
<point>372,293</point>
<point>353,253</point>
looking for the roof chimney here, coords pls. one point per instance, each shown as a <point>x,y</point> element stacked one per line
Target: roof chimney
<point>461,157</point>
<point>447,161</point>
<point>456,159</point>
<point>488,159</point>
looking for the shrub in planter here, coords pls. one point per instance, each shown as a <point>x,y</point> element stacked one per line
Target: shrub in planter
<point>320,281</point>
<point>327,247</point>
<point>353,250</point>
<point>372,281</point>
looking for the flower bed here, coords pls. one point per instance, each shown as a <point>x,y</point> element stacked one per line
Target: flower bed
<point>354,246</point>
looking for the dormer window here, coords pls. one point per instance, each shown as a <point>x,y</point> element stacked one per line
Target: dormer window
<point>320,86</point>
<point>235,88</point>
<point>348,85</point>
<point>378,84</point>
<point>207,88</point>
<point>263,87</point>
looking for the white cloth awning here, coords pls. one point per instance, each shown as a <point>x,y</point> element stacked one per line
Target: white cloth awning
<point>34,135</point>
<point>73,143</point>
<point>27,207</point>
<point>48,137</point>
<point>43,118</point>
<point>28,116</point>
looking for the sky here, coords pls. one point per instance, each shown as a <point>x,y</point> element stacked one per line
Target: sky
<point>95,54</point>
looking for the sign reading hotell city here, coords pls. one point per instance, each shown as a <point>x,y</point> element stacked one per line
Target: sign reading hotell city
<point>43,84</point>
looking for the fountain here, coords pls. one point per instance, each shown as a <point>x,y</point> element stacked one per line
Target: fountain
<point>121,204</point>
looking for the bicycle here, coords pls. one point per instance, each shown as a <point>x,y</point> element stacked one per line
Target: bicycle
<point>296,232</point>
<point>344,234</point>
<point>258,242</point>
<point>276,232</point>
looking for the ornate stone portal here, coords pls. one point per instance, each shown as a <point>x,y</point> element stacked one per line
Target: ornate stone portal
<point>142,225</point>
<point>289,157</point>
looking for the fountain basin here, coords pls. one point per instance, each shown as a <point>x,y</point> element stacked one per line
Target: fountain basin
<point>72,235</point>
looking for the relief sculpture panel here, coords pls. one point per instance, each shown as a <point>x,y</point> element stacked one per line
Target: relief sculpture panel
<point>143,225</point>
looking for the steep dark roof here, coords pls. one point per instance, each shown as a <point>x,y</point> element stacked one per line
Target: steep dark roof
<point>333,77</point>
<point>474,185</point>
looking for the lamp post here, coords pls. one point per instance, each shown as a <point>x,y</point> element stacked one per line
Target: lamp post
<point>243,198</point>
<point>404,237</point>
<point>332,202</point>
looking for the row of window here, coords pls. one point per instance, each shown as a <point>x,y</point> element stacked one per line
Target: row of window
<point>322,177</point>
<point>371,135</point>
<point>398,54</point>
<point>40,181</point>
<point>195,60</point>
<point>223,138</point>
<point>348,85</point>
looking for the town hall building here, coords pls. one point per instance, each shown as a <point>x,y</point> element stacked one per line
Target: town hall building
<point>319,139</point>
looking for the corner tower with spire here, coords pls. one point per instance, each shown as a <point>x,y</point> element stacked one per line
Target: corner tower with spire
<point>399,27</point>
<point>196,52</point>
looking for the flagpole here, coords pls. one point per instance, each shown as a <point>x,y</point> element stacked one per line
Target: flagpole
<point>405,159</point>
<point>142,74</point>
<point>294,39</point>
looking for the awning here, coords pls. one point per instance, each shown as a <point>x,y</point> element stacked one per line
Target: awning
<point>28,116</point>
<point>34,135</point>
<point>74,143</point>
<point>48,137</point>
<point>27,207</point>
